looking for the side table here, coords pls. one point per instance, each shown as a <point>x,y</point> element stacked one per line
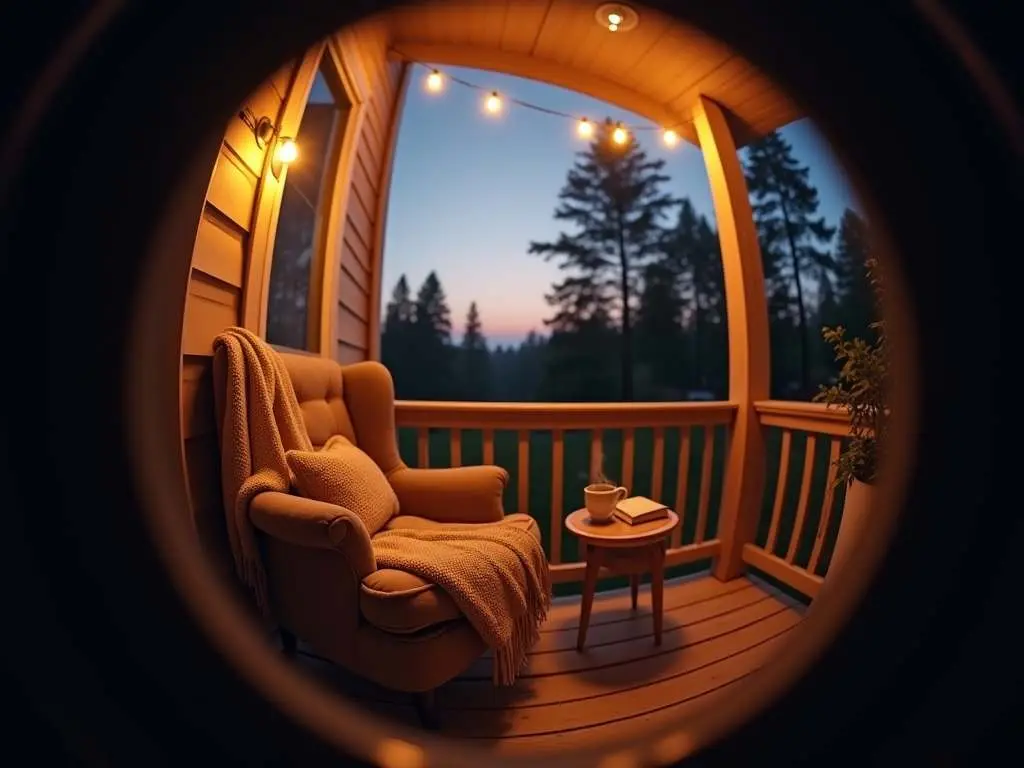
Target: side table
<point>623,549</point>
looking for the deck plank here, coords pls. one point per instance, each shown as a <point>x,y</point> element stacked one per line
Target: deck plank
<point>621,685</point>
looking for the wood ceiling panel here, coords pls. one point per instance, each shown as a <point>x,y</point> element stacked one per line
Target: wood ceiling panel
<point>713,83</point>
<point>624,51</point>
<point>523,21</point>
<point>555,34</point>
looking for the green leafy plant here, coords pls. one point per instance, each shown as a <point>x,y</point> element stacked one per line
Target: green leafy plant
<point>861,390</point>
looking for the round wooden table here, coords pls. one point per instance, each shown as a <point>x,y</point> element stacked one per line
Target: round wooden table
<point>623,549</point>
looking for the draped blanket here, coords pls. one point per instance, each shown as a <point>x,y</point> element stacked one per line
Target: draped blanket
<point>262,420</point>
<point>496,573</point>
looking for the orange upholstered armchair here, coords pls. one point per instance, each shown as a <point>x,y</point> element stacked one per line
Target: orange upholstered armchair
<point>325,588</point>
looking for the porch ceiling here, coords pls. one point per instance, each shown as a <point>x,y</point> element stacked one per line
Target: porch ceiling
<point>656,70</point>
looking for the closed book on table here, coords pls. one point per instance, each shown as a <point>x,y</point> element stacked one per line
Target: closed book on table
<point>640,509</point>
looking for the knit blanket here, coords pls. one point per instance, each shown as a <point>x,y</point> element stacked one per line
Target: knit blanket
<point>496,573</point>
<point>261,421</point>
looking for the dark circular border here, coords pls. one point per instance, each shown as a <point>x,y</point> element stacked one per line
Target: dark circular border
<point>104,646</point>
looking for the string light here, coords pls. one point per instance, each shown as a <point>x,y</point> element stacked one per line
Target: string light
<point>493,103</point>
<point>435,81</point>
<point>585,128</point>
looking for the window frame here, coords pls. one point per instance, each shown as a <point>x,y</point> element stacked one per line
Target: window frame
<point>347,83</point>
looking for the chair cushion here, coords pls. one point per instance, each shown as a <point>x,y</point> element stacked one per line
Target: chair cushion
<point>403,603</point>
<point>348,477</point>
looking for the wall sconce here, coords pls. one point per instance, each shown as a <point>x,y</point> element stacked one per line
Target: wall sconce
<point>263,128</point>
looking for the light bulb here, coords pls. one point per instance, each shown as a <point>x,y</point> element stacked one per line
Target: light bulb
<point>493,103</point>
<point>670,137</point>
<point>613,27</point>
<point>435,81</point>
<point>614,19</point>
<point>585,128</point>
<point>287,151</point>
<point>619,135</point>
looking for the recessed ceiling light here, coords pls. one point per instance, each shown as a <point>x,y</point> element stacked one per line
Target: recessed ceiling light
<point>616,17</point>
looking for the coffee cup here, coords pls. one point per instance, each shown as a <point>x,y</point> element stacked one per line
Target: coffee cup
<point>601,500</point>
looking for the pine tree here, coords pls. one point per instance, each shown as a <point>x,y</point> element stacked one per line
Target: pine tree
<point>854,293</point>
<point>432,336</point>
<point>474,359</point>
<point>694,254</point>
<point>397,342</point>
<point>792,237</point>
<point>659,331</point>
<point>613,199</point>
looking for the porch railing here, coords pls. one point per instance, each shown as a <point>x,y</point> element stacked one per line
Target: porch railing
<point>801,507</point>
<point>671,451</point>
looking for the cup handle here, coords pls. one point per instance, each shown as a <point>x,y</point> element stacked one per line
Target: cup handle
<point>620,494</point>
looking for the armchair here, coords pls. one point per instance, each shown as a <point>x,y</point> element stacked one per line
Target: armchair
<point>387,625</point>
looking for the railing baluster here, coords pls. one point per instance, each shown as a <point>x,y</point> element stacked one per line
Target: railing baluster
<point>423,447</point>
<point>705,483</point>
<point>524,471</point>
<point>557,472</point>
<point>596,454</point>
<point>657,471</point>
<point>805,494</point>
<point>683,471</point>
<point>628,447</point>
<point>488,446</point>
<point>455,446</point>
<point>835,445</point>
<point>780,491</point>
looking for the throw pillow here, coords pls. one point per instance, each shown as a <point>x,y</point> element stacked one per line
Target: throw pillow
<point>346,476</point>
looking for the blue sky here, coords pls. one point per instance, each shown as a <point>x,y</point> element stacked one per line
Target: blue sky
<point>470,191</point>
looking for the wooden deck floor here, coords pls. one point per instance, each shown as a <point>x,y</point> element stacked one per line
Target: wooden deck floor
<point>715,634</point>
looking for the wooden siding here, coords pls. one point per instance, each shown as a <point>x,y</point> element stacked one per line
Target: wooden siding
<point>362,235</point>
<point>230,259</point>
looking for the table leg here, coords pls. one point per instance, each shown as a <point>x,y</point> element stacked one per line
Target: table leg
<point>634,588</point>
<point>657,587</point>
<point>589,586</point>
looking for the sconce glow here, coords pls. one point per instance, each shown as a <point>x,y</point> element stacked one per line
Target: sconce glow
<point>585,128</point>
<point>619,135</point>
<point>670,137</point>
<point>435,81</point>
<point>614,19</point>
<point>493,103</point>
<point>287,151</point>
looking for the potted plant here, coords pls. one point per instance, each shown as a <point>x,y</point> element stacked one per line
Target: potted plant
<point>861,390</point>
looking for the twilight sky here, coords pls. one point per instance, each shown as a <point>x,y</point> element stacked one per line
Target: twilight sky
<point>470,191</point>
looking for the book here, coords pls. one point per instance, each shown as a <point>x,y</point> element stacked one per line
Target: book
<point>640,509</point>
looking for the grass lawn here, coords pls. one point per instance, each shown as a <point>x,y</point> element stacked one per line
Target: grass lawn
<point>576,476</point>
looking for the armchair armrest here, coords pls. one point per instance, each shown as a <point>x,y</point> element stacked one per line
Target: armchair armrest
<point>308,523</point>
<point>457,495</point>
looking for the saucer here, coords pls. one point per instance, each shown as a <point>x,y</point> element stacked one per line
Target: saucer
<point>595,521</point>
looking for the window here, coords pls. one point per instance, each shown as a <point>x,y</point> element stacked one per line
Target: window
<point>296,270</point>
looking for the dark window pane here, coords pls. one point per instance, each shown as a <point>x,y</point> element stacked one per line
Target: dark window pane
<point>296,241</point>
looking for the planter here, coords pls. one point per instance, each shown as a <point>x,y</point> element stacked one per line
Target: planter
<point>856,507</point>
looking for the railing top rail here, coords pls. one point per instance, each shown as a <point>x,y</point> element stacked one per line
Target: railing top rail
<point>804,416</point>
<point>520,416</point>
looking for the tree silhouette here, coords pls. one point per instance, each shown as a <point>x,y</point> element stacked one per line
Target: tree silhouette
<point>397,345</point>
<point>474,359</point>
<point>613,199</point>
<point>785,204</point>
<point>432,336</point>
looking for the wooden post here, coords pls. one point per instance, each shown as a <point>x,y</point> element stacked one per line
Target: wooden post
<point>747,312</point>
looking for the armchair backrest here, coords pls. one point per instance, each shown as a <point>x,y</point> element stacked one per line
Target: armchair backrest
<point>357,401</point>
<point>318,384</point>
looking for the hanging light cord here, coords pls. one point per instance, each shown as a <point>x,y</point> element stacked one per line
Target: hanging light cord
<point>519,102</point>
